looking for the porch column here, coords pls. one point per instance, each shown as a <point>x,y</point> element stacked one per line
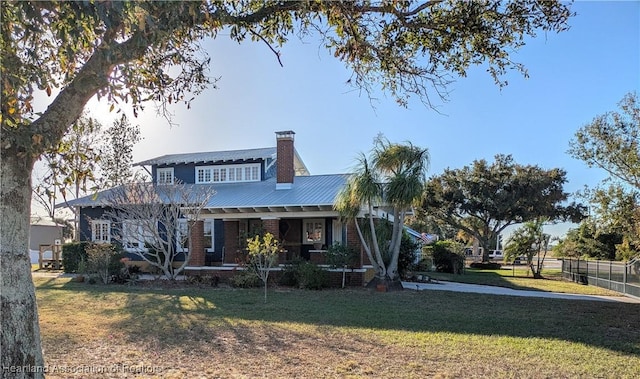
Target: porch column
<point>196,243</point>
<point>231,235</point>
<point>272,225</point>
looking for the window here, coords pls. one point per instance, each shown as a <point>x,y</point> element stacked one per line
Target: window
<point>251,173</point>
<point>135,233</point>
<point>337,228</point>
<point>100,231</point>
<point>228,173</point>
<point>182,235</point>
<point>208,235</point>
<point>204,175</point>
<point>313,231</point>
<point>165,175</point>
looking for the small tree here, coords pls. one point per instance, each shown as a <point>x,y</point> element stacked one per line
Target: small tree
<point>342,256</point>
<point>263,255</point>
<point>529,241</point>
<point>146,218</point>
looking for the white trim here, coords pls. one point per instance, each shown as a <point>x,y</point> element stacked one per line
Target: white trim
<point>162,175</point>
<point>236,173</point>
<point>99,230</point>
<point>316,233</point>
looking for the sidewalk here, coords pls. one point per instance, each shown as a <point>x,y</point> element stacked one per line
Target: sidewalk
<point>493,290</point>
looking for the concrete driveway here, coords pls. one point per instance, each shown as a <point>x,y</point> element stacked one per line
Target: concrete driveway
<point>494,290</point>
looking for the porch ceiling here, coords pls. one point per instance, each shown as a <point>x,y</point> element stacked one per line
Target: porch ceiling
<point>278,211</point>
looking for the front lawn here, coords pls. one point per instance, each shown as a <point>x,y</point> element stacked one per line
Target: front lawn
<point>521,279</point>
<point>155,331</point>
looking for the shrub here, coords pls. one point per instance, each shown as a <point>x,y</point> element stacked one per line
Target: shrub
<point>447,257</point>
<point>305,275</point>
<point>244,279</point>
<point>340,255</point>
<point>72,254</point>
<point>127,274</point>
<point>204,280</point>
<point>104,260</point>
<point>289,276</point>
<point>408,254</point>
<point>425,264</point>
<point>486,265</point>
<point>312,277</point>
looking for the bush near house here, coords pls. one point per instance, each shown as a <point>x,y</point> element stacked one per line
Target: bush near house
<point>447,256</point>
<point>72,254</point>
<point>105,261</point>
<point>244,279</point>
<point>305,275</point>
<point>408,254</point>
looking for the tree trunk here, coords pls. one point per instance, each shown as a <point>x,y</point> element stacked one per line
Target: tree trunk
<point>396,242</point>
<point>20,342</point>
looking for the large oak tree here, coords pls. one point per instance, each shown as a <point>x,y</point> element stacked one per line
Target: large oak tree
<point>483,199</point>
<point>611,142</point>
<point>132,52</point>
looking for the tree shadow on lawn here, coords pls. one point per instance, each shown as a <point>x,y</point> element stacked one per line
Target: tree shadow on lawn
<point>175,316</point>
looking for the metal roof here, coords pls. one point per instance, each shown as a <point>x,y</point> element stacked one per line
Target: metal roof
<point>307,193</point>
<point>212,156</point>
<point>317,191</point>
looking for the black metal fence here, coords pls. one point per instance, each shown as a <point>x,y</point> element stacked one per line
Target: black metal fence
<point>616,276</point>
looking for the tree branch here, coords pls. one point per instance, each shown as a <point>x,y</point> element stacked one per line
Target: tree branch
<point>277,53</point>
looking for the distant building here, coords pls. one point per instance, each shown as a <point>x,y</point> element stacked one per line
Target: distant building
<point>43,232</point>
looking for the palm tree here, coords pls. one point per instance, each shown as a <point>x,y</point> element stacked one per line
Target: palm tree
<point>393,177</point>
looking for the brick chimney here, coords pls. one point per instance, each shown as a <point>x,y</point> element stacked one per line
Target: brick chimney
<point>284,159</point>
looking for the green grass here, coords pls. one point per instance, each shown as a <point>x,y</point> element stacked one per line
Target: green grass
<point>521,279</point>
<point>206,332</point>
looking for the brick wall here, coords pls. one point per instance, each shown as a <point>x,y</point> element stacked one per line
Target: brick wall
<point>352,279</point>
<point>353,240</point>
<point>272,226</point>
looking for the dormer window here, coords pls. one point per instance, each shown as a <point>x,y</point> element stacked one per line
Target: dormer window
<point>165,175</point>
<point>228,173</point>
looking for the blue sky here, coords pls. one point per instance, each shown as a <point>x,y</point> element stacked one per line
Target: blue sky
<point>574,76</point>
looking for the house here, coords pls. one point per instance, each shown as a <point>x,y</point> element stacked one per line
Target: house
<point>267,189</point>
<point>44,234</point>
